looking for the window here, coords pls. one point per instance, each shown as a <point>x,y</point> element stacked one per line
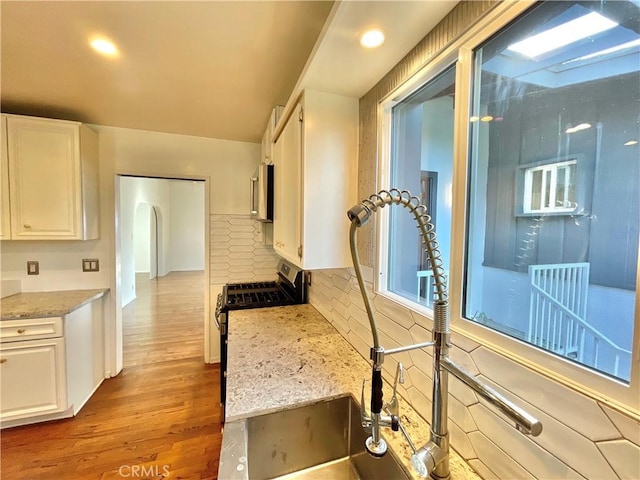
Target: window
<point>549,188</point>
<point>552,249</point>
<point>540,231</point>
<point>421,162</point>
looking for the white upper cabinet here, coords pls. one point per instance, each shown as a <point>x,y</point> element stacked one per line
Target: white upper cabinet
<point>287,202</point>
<point>53,179</point>
<point>5,222</point>
<point>267,138</point>
<point>315,170</point>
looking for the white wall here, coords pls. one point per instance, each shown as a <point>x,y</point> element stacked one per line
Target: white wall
<point>186,247</point>
<point>142,237</point>
<point>437,156</point>
<point>179,205</point>
<point>228,164</point>
<point>60,264</point>
<point>136,192</point>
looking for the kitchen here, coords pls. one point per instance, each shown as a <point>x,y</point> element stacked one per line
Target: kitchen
<point>604,439</point>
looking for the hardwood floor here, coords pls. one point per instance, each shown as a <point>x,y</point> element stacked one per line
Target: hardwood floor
<point>159,418</point>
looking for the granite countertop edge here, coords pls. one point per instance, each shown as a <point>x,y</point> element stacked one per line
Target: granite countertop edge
<point>311,361</point>
<point>57,303</point>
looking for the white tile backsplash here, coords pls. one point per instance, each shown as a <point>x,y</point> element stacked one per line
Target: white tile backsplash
<point>398,332</point>
<point>421,321</point>
<point>562,441</point>
<point>237,252</point>
<point>419,380</point>
<point>460,414</point>
<point>482,470</point>
<point>422,359</point>
<point>464,360</point>
<point>572,408</point>
<point>460,439</point>
<point>623,456</point>
<point>630,429</point>
<point>341,283</point>
<point>420,334</point>
<point>580,439</point>
<point>463,342</point>
<point>399,314</point>
<point>419,401</point>
<point>521,448</point>
<point>462,392</point>
<point>502,464</point>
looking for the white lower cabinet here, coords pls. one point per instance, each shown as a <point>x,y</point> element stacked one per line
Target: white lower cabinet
<point>50,367</point>
<point>32,378</point>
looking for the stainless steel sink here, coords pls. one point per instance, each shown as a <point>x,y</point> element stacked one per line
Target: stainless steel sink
<point>320,441</point>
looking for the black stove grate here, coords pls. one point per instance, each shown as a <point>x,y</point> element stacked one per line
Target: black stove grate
<point>257,298</point>
<point>255,295</point>
<point>233,287</point>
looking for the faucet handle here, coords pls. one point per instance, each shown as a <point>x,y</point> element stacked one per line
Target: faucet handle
<point>365,419</point>
<point>400,373</point>
<point>392,407</point>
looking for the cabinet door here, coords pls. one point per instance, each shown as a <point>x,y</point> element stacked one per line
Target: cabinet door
<point>45,190</point>
<point>287,190</point>
<point>31,378</point>
<point>5,222</point>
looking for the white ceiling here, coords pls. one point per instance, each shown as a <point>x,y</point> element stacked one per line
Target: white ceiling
<point>204,68</point>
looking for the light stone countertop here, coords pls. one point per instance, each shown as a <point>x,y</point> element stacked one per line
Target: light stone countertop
<point>281,357</point>
<point>47,304</point>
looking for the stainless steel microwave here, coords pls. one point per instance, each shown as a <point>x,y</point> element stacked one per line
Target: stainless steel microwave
<point>262,194</point>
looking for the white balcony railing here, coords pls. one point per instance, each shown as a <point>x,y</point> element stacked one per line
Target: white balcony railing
<point>558,318</point>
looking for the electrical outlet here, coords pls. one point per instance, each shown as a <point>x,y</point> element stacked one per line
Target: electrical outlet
<point>90,265</point>
<point>33,267</point>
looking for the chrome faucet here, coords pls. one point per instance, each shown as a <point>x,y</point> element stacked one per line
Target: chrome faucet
<point>433,457</point>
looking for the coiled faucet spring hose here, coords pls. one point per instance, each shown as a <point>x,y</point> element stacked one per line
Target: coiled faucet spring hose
<point>359,215</point>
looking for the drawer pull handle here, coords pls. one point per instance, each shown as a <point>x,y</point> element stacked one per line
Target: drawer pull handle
<point>21,331</point>
<point>26,225</point>
<point>3,360</point>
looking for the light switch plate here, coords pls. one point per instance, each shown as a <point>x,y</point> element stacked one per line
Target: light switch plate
<point>90,265</point>
<point>33,267</point>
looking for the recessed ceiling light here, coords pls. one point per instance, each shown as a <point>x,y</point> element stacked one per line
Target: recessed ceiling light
<point>630,143</point>
<point>104,46</point>
<point>562,35</point>
<point>486,118</point>
<point>606,51</point>
<point>372,38</point>
<point>577,128</point>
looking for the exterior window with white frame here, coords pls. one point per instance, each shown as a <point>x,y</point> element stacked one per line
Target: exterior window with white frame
<point>551,250</point>
<point>421,161</point>
<point>550,188</point>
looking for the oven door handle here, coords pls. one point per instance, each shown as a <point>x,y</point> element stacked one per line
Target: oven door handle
<point>218,311</point>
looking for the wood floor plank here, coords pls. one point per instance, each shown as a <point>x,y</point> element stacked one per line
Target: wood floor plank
<point>159,418</point>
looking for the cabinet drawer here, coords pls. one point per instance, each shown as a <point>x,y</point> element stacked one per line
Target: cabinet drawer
<point>30,329</point>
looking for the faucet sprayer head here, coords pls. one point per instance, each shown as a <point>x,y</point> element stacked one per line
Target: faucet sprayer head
<point>359,213</point>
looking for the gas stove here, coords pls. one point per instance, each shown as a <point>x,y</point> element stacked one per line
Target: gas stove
<point>289,288</point>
